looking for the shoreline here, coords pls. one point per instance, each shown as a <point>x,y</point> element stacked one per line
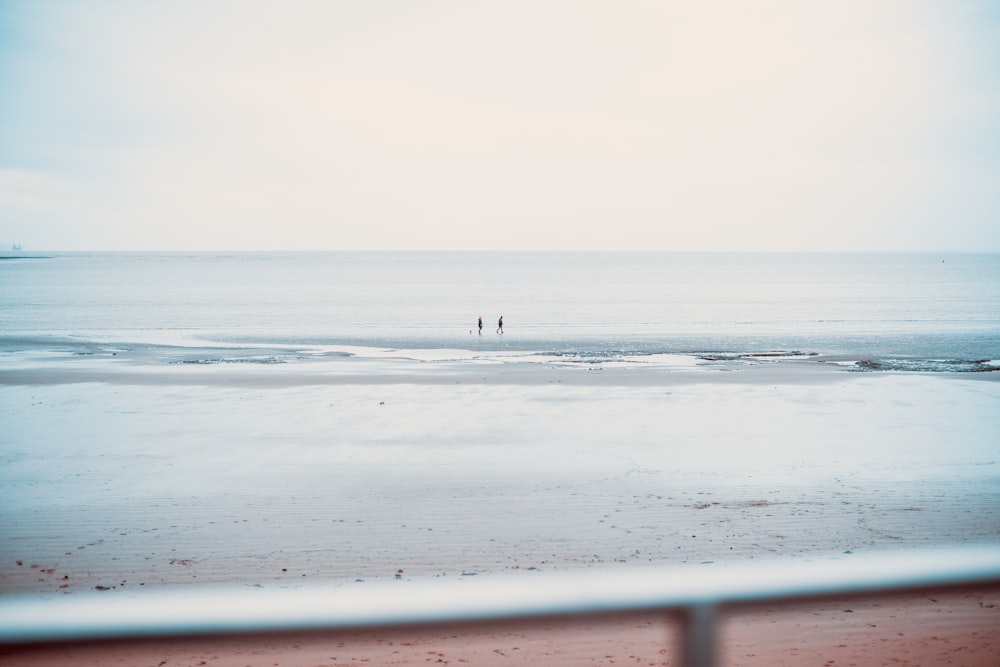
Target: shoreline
<point>346,365</point>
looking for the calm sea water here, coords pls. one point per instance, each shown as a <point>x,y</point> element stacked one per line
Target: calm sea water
<point>924,307</point>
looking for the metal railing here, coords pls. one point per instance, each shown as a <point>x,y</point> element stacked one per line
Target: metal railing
<point>694,594</point>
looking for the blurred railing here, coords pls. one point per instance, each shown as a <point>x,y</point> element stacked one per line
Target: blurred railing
<point>693,594</point>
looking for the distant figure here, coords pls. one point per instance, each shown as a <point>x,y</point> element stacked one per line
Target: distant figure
<point>500,325</point>
<point>480,325</point>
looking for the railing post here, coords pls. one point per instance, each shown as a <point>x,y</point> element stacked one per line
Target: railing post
<point>698,645</point>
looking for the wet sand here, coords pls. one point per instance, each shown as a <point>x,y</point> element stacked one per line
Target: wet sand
<point>124,475</point>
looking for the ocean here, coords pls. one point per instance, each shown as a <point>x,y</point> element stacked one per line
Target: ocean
<point>898,311</point>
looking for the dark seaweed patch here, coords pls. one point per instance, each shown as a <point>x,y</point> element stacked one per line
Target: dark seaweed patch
<point>927,365</point>
<point>227,360</point>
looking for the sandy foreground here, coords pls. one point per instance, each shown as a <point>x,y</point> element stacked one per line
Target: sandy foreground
<point>953,629</point>
<point>127,474</point>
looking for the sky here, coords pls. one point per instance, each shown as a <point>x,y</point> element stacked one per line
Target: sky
<point>804,125</point>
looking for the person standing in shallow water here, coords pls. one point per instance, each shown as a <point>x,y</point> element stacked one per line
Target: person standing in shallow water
<point>480,325</point>
<point>500,325</point>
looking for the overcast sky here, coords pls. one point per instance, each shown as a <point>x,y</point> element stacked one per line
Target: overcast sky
<point>386,124</point>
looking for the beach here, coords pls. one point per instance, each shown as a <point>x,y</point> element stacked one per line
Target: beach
<point>131,470</point>
<point>345,334</point>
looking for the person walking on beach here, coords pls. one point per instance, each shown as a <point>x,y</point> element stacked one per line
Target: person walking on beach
<point>500,325</point>
<point>480,325</point>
